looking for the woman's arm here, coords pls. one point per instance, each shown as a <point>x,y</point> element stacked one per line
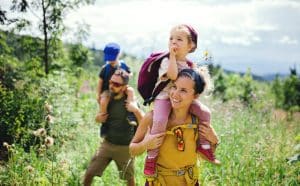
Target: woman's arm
<point>142,139</point>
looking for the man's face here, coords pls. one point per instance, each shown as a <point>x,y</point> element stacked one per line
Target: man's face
<point>116,84</point>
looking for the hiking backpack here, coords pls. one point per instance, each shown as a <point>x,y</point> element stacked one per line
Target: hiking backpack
<point>148,77</point>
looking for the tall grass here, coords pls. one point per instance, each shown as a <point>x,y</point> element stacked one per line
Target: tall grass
<point>253,149</point>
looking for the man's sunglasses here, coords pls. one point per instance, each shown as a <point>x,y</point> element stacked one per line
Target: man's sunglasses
<point>115,84</point>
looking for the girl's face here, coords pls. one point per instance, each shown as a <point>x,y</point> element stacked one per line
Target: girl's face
<point>182,93</point>
<point>179,40</point>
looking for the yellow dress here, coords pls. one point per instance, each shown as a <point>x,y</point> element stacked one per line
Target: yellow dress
<point>176,167</point>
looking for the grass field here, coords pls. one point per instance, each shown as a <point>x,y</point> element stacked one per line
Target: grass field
<point>255,145</point>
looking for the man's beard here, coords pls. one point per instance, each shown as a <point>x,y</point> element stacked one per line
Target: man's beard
<point>112,93</point>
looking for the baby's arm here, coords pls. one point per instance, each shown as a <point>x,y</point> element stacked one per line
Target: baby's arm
<point>130,94</point>
<point>99,89</point>
<point>104,101</point>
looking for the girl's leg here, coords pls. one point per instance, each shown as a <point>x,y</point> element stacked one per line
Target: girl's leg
<point>203,115</point>
<point>161,112</point>
<point>204,147</point>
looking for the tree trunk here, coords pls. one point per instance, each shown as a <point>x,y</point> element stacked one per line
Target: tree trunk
<point>45,38</point>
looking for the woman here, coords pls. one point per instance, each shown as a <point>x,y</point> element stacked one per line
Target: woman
<point>176,162</point>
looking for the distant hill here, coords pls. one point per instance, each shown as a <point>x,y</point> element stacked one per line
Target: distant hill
<point>267,77</point>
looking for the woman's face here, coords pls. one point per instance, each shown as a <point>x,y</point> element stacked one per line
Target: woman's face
<point>182,93</point>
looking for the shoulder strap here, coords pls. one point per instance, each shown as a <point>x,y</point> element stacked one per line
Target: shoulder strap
<point>194,119</point>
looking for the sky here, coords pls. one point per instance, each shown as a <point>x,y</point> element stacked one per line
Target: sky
<point>263,35</point>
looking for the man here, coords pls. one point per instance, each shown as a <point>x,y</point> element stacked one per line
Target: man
<point>112,63</point>
<point>118,132</point>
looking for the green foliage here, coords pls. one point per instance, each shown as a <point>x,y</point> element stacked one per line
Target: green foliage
<point>220,86</point>
<point>20,108</point>
<point>4,48</point>
<point>287,92</point>
<point>247,94</point>
<point>98,57</point>
<point>278,92</point>
<point>234,86</point>
<point>79,55</point>
<point>22,47</point>
<point>50,14</point>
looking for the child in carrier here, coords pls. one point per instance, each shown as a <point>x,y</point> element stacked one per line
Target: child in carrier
<point>183,40</point>
<point>111,54</point>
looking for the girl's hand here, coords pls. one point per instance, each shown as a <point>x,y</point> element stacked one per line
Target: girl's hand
<point>153,141</point>
<point>173,50</point>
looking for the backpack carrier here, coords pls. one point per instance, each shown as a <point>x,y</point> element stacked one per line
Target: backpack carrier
<point>148,77</point>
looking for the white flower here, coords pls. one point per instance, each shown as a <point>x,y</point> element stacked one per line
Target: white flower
<point>49,118</point>
<point>49,141</point>
<point>29,168</point>
<point>48,107</point>
<point>40,132</point>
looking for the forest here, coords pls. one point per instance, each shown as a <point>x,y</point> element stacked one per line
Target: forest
<point>48,104</point>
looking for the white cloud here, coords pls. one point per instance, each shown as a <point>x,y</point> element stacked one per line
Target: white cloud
<point>288,40</point>
<point>228,28</point>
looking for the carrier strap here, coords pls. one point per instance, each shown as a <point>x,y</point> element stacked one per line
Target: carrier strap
<point>190,174</point>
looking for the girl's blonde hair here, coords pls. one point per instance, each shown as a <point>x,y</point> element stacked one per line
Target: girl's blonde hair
<point>204,73</point>
<point>190,32</point>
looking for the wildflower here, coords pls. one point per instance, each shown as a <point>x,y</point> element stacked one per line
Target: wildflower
<point>5,144</point>
<point>49,141</point>
<point>42,149</point>
<point>29,168</point>
<point>49,118</point>
<point>64,164</point>
<point>40,132</point>
<point>48,107</point>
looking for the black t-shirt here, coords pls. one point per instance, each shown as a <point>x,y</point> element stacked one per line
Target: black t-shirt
<point>119,131</point>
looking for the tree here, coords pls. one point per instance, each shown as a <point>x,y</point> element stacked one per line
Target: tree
<point>50,14</point>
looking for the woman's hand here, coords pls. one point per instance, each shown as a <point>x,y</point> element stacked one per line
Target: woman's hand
<point>153,141</point>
